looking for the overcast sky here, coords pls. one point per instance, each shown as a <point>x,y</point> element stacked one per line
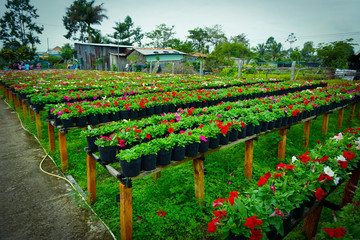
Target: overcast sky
<point>309,20</point>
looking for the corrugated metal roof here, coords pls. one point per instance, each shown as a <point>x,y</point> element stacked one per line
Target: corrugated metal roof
<point>158,51</point>
<point>105,45</point>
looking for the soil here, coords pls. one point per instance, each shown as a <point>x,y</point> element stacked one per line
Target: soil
<point>34,205</point>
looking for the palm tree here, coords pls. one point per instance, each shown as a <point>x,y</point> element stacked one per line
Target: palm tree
<point>275,50</point>
<point>261,50</point>
<point>81,15</point>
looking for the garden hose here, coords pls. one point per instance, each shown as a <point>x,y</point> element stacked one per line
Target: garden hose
<point>57,176</point>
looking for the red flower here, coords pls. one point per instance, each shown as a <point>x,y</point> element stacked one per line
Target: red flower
<point>305,158</point>
<point>324,177</point>
<point>219,214</point>
<point>335,232</point>
<point>256,234</point>
<point>319,194</point>
<point>229,107</point>
<point>171,130</point>
<point>278,174</point>
<point>233,194</point>
<point>318,141</point>
<point>218,202</point>
<point>212,225</point>
<point>148,136</point>
<point>267,175</point>
<point>343,164</point>
<point>277,212</point>
<point>349,155</point>
<point>230,200</point>
<point>252,222</point>
<point>324,158</point>
<point>289,167</point>
<point>280,166</point>
<point>161,213</point>
<point>349,145</point>
<point>261,181</point>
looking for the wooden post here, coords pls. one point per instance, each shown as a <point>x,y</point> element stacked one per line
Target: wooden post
<point>292,70</point>
<point>282,143</point>
<point>126,221</point>
<point>352,111</point>
<point>16,104</point>
<point>240,65</point>
<point>91,178</point>
<point>38,125</point>
<point>156,176</point>
<point>198,165</point>
<point>63,151</point>
<point>359,111</point>
<point>51,136</point>
<point>350,187</point>
<point>311,222</point>
<point>32,113</point>
<point>248,164</point>
<point>306,135</point>
<point>325,123</point>
<point>10,96</point>
<point>340,117</point>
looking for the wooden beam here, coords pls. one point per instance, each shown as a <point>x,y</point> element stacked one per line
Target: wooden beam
<point>248,164</point>
<point>352,111</point>
<point>350,187</point>
<point>325,123</point>
<point>126,221</point>
<point>306,135</point>
<point>51,136</point>
<point>156,176</point>
<point>340,117</point>
<point>311,222</point>
<point>282,143</point>
<point>38,125</point>
<point>25,110</point>
<point>198,165</point>
<point>91,179</point>
<point>63,151</point>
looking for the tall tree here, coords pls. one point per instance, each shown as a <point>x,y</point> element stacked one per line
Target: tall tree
<point>215,34</point>
<point>291,39</point>
<point>241,38</point>
<point>182,46</point>
<point>336,54</point>
<point>161,36</point>
<point>97,37</point>
<point>125,32</point>
<point>17,27</point>
<point>308,50</point>
<point>80,16</point>
<point>67,52</point>
<point>260,49</point>
<point>199,37</point>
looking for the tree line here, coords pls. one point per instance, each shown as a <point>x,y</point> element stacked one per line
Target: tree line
<point>19,35</point>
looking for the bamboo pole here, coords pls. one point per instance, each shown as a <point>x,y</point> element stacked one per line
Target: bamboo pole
<point>282,143</point>
<point>51,136</point>
<point>63,151</point>
<point>198,164</point>
<point>91,179</point>
<point>340,117</point>
<point>306,135</point>
<point>248,164</point>
<point>325,123</point>
<point>352,111</point>
<point>38,125</point>
<point>350,187</point>
<point>126,221</point>
<point>311,222</point>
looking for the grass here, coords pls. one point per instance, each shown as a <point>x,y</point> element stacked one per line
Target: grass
<point>173,193</point>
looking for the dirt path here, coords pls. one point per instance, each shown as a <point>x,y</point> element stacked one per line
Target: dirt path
<point>34,205</point>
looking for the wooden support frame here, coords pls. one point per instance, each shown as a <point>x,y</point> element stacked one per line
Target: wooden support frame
<point>350,187</point>
<point>248,164</point>
<point>311,222</point>
<point>282,143</point>
<point>63,151</point>
<point>306,135</point>
<point>51,136</point>
<point>198,164</point>
<point>340,118</point>
<point>91,179</point>
<point>126,221</point>
<point>352,111</point>
<point>16,103</point>
<point>325,123</point>
<point>38,125</point>
<point>156,176</point>
<point>32,113</point>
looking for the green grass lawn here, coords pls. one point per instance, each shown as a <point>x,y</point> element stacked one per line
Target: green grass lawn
<point>173,193</point>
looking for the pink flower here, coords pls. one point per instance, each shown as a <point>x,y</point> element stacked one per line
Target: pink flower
<point>203,138</point>
<point>218,115</point>
<point>59,113</point>
<point>338,137</point>
<point>277,212</point>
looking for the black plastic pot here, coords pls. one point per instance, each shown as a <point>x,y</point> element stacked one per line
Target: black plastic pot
<point>224,139</point>
<point>132,168</point>
<point>192,149</point>
<point>93,119</point>
<point>284,121</point>
<point>298,212</point>
<point>104,118</point>
<point>124,114</point>
<point>233,237</point>
<point>165,108</point>
<point>257,128</point>
<point>133,114</point>
<point>242,133</point>
<point>158,109</point>
<point>164,157</point>
<point>233,135</point>
<point>150,111</point>
<point>250,129</point>
<point>271,125</point>
<point>107,154</point>
<point>148,162</point>
<point>214,142</point>
<point>264,126</point>
<point>142,113</point>
<point>81,121</point>
<point>204,146</point>
<point>91,143</point>
<point>114,116</point>
<point>178,153</point>
<point>67,122</point>
<point>57,121</point>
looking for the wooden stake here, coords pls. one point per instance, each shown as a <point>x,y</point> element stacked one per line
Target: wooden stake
<point>16,104</point>
<point>32,113</point>
<point>325,123</point>
<point>63,151</point>
<point>51,136</point>
<point>340,117</point>
<point>10,96</point>
<point>91,178</point>
<point>38,125</point>
<point>352,111</point>
<point>311,222</point>
<point>306,135</point>
<point>248,164</point>
<point>350,187</point>
<point>198,165</point>
<point>126,221</point>
<point>156,176</point>
<point>282,144</point>
<point>25,111</point>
